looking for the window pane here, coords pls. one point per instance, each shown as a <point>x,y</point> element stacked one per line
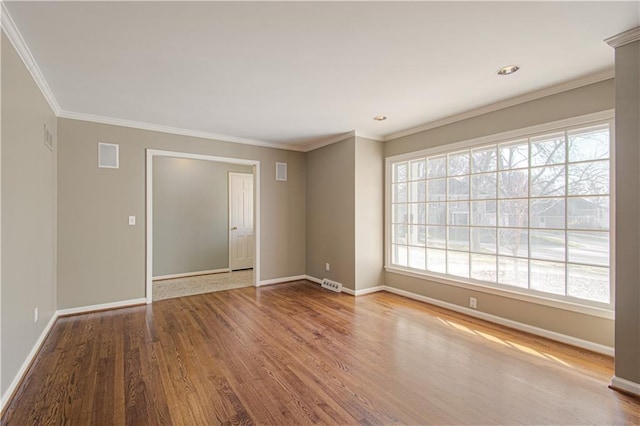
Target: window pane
<point>458,264</point>
<point>436,166</point>
<point>484,160</point>
<point>436,213</point>
<point>547,213</point>
<point>513,213</point>
<point>418,191</point>
<point>483,240</point>
<point>417,258</point>
<point>437,260</point>
<point>513,242</point>
<point>458,238</point>
<point>547,150</point>
<point>588,247</point>
<point>400,193</point>
<point>513,271</point>
<point>547,245</point>
<point>436,190</point>
<point>588,213</point>
<point>458,213</point>
<point>514,155</point>
<point>399,255</point>
<point>589,144</point>
<point>418,213</point>
<point>436,237</point>
<point>483,213</point>
<point>459,163</point>
<point>483,186</point>
<point>548,181</point>
<point>588,282</point>
<point>418,169</point>
<point>589,178</point>
<point>458,188</point>
<point>399,213</point>
<point>417,235</point>
<point>483,267</point>
<point>547,276</point>
<point>400,172</point>
<point>513,184</point>
<point>399,234</point>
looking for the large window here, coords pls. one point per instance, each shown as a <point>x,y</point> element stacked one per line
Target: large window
<point>529,214</point>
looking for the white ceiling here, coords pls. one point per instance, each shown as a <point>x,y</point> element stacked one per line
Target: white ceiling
<point>298,73</point>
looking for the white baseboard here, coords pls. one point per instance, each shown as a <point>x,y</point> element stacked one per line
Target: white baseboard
<point>313,279</point>
<point>625,385</point>
<point>281,280</point>
<point>348,291</point>
<point>101,307</point>
<point>370,290</point>
<point>27,363</point>
<point>559,337</point>
<point>190,274</point>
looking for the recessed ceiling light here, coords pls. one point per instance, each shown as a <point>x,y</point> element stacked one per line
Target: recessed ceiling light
<point>380,117</point>
<point>509,69</point>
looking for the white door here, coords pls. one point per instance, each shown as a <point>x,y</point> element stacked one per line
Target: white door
<point>241,241</point>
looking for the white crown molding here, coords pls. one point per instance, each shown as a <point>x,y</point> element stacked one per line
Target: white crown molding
<point>328,141</point>
<point>626,37</point>
<point>10,29</point>
<point>370,136</point>
<point>173,130</point>
<point>531,96</point>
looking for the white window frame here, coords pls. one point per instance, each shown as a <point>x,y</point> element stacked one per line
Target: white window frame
<point>597,309</point>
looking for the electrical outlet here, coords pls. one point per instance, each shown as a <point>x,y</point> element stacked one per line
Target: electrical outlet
<point>132,220</point>
<point>35,314</point>
<point>473,303</point>
<point>327,267</point>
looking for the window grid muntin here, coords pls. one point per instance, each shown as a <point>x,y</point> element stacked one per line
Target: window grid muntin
<point>495,170</point>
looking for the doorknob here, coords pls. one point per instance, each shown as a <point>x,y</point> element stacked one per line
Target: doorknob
<point>235,228</point>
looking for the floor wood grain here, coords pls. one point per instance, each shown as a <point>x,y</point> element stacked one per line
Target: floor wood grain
<point>296,354</point>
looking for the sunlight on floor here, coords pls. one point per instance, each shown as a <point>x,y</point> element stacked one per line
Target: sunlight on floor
<point>507,343</point>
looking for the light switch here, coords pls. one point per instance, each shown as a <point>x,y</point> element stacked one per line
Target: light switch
<point>132,220</point>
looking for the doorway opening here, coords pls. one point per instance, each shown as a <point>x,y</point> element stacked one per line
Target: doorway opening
<point>247,196</point>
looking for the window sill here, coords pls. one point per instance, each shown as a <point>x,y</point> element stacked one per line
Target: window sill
<point>512,294</point>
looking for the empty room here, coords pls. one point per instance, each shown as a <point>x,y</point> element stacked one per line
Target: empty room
<point>319,212</point>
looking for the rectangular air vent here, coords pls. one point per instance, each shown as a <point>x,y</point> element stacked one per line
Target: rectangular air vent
<point>281,171</point>
<point>108,155</point>
<point>332,285</point>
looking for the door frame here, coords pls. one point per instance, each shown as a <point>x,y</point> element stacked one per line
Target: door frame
<point>229,215</point>
<point>150,154</point>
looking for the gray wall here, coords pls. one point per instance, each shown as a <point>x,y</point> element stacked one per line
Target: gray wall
<point>331,212</point>
<point>627,263</point>
<point>28,214</point>
<point>584,100</point>
<point>369,213</point>
<point>191,214</point>
<point>101,258</point>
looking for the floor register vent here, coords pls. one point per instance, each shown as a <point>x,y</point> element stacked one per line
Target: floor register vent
<point>331,285</point>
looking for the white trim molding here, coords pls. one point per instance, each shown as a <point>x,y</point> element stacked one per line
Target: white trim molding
<point>11,30</point>
<point>552,335</point>
<point>101,307</point>
<point>313,279</point>
<point>6,397</point>
<point>150,153</point>
<point>280,280</point>
<point>623,38</point>
<point>527,97</point>
<point>191,274</point>
<point>618,383</point>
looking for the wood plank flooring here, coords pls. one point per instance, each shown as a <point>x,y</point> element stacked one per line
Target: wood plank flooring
<point>296,354</point>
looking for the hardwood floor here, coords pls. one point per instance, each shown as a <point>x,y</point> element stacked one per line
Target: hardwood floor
<point>295,354</point>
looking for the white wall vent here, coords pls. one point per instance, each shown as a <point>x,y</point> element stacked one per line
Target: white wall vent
<point>332,285</point>
<point>281,171</point>
<point>48,138</point>
<point>108,155</point>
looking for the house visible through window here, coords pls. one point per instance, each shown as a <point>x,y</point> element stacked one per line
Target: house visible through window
<point>530,214</point>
